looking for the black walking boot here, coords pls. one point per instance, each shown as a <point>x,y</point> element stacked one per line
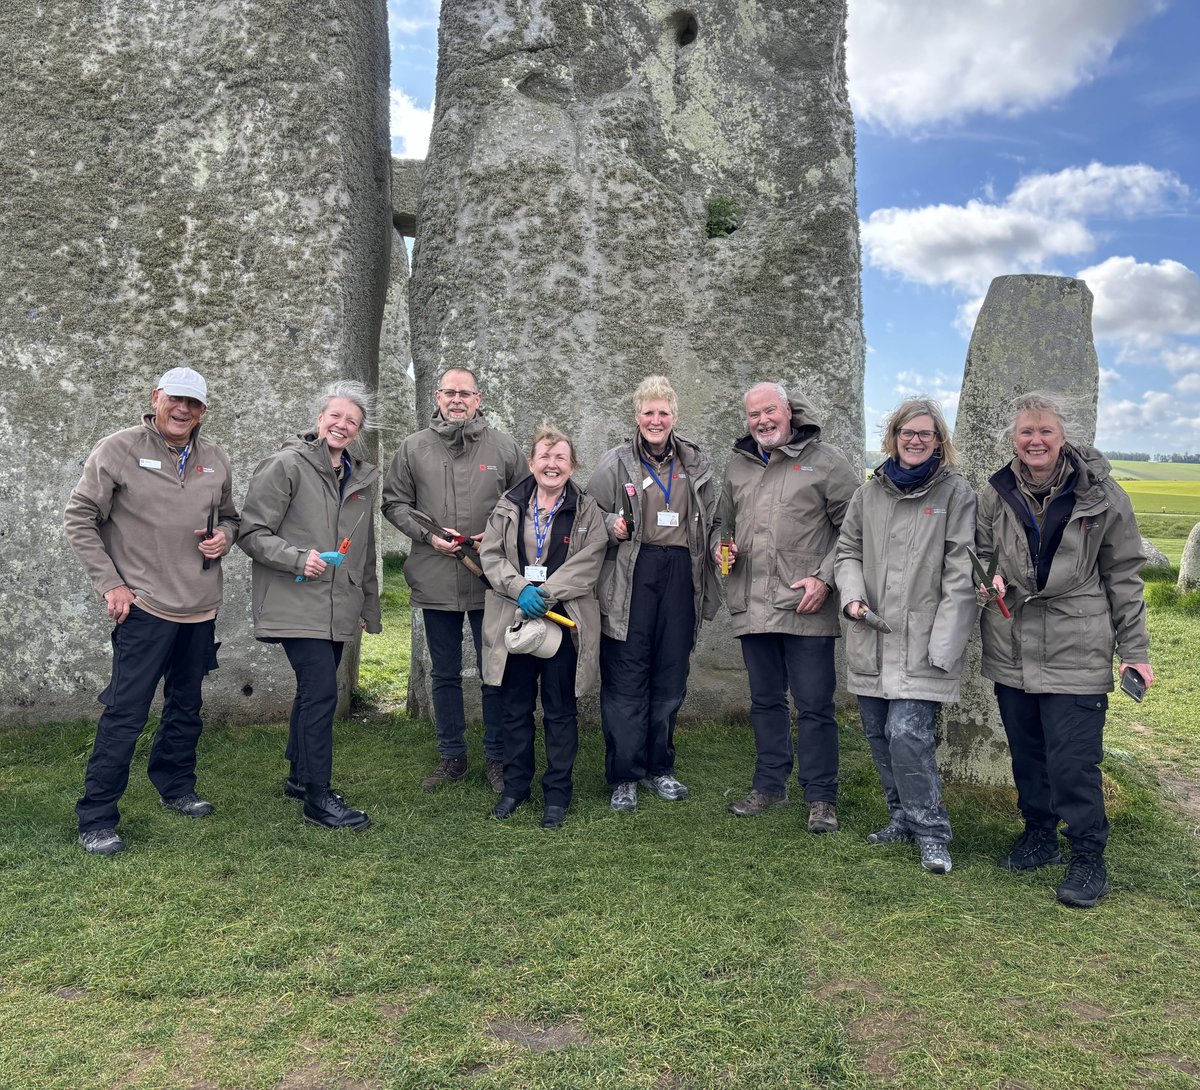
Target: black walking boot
<point>1086,883</point>
<point>329,810</point>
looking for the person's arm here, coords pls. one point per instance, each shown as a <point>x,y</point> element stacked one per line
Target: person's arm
<point>603,487</point>
<point>840,485</point>
<point>372,614</point>
<point>268,498</point>
<point>501,572</point>
<point>88,507</point>
<point>1119,566</point>
<point>957,608</point>
<point>578,575</point>
<point>848,565</point>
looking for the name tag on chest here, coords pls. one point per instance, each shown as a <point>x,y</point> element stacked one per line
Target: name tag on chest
<point>668,518</point>
<point>149,463</point>
<point>535,573</point>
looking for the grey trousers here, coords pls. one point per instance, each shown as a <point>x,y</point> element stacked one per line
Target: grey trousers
<point>903,741</point>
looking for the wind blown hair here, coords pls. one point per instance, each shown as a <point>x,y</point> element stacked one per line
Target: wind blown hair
<point>1067,409</point>
<point>655,388</point>
<point>910,410</point>
<point>357,392</point>
<point>548,433</point>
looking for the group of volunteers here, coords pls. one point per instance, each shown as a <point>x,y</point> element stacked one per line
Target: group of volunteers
<point>563,586</point>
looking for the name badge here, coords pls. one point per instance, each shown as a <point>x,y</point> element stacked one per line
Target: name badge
<point>149,463</point>
<point>535,573</point>
<point>668,518</point>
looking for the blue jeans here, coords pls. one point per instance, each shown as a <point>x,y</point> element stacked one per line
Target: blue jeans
<point>903,737</point>
<point>804,664</point>
<point>146,650</point>
<point>444,635</point>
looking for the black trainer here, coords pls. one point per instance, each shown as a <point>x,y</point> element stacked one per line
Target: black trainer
<point>1033,848</point>
<point>329,810</point>
<point>1086,883</point>
<point>189,805</point>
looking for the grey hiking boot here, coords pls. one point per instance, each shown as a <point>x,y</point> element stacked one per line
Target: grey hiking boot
<point>624,798</point>
<point>494,771</point>
<point>189,805</point>
<point>935,855</point>
<point>757,802</point>
<point>1086,883</point>
<point>892,833</point>
<point>1033,848</point>
<point>822,818</point>
<point>449,770</point>
<point>101,842</point>
<point>666,787</point>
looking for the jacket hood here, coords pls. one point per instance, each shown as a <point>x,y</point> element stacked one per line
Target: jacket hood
<point>316,451</point>
<point>456,433</point>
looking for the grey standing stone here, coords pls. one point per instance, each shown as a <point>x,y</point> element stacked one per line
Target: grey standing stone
<point>1189,563</point>
<point>183,183</point>
<point>581,156</point>
<point>1033,333</point>
<point>1155,557</point>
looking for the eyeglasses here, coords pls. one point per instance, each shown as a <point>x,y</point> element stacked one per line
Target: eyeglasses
<point>907,435</point>
<point>459,393</point>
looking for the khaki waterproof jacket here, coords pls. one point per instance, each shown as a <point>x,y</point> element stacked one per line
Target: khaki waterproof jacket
<point>607,486</point>
<point>293,505</point>
<point>572,584</point>
<point>1061,639</point>
<point>455,474</point>
<point>905,555</point>
<point>785,516</point>
<point>133,522</point>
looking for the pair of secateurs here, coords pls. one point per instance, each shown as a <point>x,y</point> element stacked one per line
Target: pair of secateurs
<point>987,591</point>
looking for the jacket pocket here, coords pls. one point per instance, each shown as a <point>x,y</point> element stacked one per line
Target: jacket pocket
<point>916,645</point>
<point>737,587</point>
<point>606,586</point>
<point>790,568</point>
<point>1079,635</point>
<point>862,648</point>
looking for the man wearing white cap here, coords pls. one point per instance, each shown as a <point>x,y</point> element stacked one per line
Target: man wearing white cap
<point>150,519</point>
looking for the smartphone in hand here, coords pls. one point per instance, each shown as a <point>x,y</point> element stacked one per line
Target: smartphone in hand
<point>1133,684</point>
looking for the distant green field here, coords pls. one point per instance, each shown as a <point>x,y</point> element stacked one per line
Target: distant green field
<point>1165,497</point>
<point>1155,471</point>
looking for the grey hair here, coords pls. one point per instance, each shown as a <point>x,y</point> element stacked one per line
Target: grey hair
<point>780,392</point>
<point>350,390</point>
<point>1068,410</point>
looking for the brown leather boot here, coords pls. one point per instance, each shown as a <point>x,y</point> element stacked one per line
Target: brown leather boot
<point>449,770</point>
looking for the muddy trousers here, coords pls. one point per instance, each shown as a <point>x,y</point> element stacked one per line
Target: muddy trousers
<point>146,650</point>
<point>903,738</point>
<point>1057,742</point>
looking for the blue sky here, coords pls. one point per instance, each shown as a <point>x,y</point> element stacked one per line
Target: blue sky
<point>1001,136</point>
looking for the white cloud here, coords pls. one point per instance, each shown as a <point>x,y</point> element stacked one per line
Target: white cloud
<point>923,61</point>
<point>1043,218</point>
<point>410,126</point>
<point>1143,302</point>
<point>412,16</point>
<point>1158,421</point>
<point>1189,385</point>
<point>1182,357</point>
<point>944,389</point>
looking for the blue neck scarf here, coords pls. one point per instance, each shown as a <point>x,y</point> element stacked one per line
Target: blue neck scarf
<point>908,479</point>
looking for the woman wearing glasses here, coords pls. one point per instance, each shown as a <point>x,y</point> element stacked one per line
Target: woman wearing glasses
<point>903,564</point>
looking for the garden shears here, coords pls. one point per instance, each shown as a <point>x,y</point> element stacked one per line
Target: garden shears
<point>985,577</point>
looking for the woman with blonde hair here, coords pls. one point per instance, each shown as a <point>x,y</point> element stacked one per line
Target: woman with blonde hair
<point>904,573</point>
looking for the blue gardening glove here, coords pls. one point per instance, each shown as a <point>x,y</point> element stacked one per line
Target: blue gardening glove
<point>532,602</point>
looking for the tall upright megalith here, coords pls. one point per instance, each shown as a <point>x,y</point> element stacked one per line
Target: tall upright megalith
<point>624,188</point>
<point>183,183</point>
<point>1033,333</point>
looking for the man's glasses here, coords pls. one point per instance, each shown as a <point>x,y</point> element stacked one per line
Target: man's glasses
<point>459,393</point>
<point>907,435</point>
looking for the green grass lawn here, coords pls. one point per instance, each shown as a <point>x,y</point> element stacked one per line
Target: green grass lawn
<point>678,948</point>
<point>1156,471</point>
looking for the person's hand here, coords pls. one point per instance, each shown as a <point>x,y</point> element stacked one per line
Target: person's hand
<point>855,609</point>
<point>118,600</point>
<point>733,552</point>
<point>446,548</point>
<point>313,564</point>
<point>1143,668</point>
<point>533,602</point>
<point>999,584</point>
<point>816,590</point>
<point>215,547</point>
<point>476,541</point>
<point>620,529</point>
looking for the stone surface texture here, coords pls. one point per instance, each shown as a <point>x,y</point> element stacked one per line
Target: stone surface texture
<point>183,183</point>
<point>1189,563</point>
<point>1155,557</point>
<point>1033,333</point>
<point>563,251</point>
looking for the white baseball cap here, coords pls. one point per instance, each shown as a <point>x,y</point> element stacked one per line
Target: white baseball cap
<point>184,382</point>
<point>533,637</point>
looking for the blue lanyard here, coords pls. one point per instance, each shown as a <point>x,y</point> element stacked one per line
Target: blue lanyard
<point>183,457</point>
<point>670,477</point>
<point>540,532</point>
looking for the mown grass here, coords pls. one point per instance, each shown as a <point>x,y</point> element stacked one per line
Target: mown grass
<point>674,948</point>
<point>1156,471</point>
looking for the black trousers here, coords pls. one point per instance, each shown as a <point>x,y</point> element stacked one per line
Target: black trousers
<point>310,729</point>
<point>1057,742</point>
<point>560,725</point>
<point>147,650</point>
<point>444,637</point>
<point>643,678</point>
<point>804,664</point>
